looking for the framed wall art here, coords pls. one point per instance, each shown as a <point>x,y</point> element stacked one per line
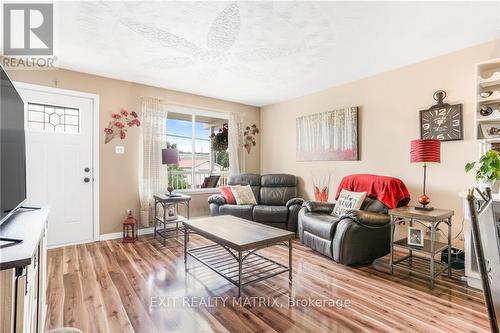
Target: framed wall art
<point>328,136</point>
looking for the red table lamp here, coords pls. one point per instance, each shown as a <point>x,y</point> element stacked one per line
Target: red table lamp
<point>425,151</point>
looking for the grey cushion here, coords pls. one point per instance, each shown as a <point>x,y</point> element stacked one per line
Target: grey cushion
<point>277,189</point>
<point>318,224</point>
<point>251,179</point>
<point>277,196</point>
<point>243,211</point>
<point>270,213</point>
<point>279,180</point>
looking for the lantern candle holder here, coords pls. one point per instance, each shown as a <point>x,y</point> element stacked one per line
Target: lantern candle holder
<point>129,229</point>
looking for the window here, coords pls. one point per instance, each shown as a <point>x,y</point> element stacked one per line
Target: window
<point>199,166</point>
<point>51,118</point>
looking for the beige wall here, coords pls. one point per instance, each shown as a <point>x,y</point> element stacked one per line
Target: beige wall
<point>389,119</point>
<point>119,173</point>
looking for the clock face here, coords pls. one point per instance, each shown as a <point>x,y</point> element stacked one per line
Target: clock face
<point>442,123</point>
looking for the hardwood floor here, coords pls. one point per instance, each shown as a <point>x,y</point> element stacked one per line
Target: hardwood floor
<point>142,287</point>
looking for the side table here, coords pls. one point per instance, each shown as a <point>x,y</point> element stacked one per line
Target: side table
<point>171,228</point>
<point>431,221</point>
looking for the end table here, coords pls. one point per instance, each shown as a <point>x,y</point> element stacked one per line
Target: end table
<point>431,221</point>
<point>171,228</point>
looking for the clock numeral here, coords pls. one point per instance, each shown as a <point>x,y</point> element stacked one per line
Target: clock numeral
<point>455,122</point>
<point>426,126</point>
<point>440,137</point>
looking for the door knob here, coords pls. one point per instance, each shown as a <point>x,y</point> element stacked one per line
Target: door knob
<point>86,169</point>
<point>86,179</point>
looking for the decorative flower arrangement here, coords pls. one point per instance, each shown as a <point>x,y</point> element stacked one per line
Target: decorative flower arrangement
<point>219,140</point>
<point>321,185</point>
<point>120,123</point>
<point>249,137</point>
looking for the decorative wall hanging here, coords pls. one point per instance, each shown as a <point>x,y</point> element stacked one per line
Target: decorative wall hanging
<point>442,121</point>
<point>249,137</point>
<point>328,136</point>
<point>219,140</point>
<point>119,125</point>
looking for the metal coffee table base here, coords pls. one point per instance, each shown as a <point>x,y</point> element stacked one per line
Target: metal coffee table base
<point>241,268</point>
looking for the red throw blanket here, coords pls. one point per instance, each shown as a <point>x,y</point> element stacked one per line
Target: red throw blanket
<point>389,190</point>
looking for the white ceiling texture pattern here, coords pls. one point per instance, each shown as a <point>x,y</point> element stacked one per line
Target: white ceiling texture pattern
<point>260,53</point>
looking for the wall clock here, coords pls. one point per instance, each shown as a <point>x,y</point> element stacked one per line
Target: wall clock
<point>442,121</point>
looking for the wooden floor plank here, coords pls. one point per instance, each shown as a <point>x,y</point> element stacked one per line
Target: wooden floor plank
<point>109,287</point>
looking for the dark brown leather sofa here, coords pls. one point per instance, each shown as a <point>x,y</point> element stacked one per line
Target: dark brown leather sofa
<point>276,196</point>
<point>358,237</point>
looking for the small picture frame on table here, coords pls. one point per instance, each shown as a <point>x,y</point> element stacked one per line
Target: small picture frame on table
<point>171,213</point>
<point>415,237</point>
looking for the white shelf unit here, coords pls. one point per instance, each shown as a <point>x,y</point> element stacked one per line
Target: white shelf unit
<point>487,79</point>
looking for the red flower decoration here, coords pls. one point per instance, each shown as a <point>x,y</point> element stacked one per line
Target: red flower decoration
<point>120,123</point>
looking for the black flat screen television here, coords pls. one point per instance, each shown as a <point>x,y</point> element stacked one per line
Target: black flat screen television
<point>12,149</point>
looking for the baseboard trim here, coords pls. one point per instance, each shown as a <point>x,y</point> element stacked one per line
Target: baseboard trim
<point>116,235</point>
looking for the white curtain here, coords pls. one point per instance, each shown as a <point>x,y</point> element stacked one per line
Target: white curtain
<point>153,177</point>
<point>234,143</point>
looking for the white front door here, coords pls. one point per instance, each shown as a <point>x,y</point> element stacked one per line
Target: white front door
<point>59,160</point>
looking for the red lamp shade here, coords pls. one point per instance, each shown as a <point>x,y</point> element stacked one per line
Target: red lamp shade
<point>428,150</point>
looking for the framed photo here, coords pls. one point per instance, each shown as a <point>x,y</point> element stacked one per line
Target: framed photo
<point>171,213</point>
<point>490,131</point>
<point>415,237</point>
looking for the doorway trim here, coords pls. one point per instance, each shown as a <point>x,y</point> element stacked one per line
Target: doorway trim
<point>95,140</point>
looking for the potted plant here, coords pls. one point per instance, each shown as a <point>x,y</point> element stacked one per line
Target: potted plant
<point>487,169</point>
<point>220,139</point>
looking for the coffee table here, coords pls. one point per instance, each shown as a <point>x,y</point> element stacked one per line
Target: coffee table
<point>234,255</point>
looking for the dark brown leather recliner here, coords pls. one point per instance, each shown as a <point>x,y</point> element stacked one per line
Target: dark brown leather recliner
<point>359,236</point>
<point>276,197</point>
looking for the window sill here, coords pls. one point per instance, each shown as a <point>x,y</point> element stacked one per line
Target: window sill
<point>199,191</point>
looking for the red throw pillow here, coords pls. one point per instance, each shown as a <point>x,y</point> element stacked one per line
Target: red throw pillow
<point>228,195</point>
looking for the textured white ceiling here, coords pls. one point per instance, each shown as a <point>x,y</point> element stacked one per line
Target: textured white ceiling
<point>260,53</point>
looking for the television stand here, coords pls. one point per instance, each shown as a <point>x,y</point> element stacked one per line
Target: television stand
<point>17,240</point>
